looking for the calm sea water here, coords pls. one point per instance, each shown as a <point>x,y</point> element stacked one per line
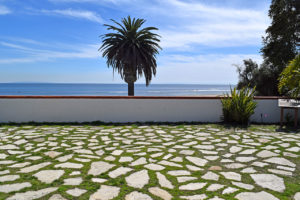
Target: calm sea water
<point>110,89</point>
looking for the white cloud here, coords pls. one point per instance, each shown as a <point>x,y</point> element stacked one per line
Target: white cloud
<point>232,58</point>
<point>193,23</point>
<point>81,14</point>
<point>18,47</point>
<point>214,35</point>
<point>90,1</point>
<point>37,55</point>
<point>75,1</point>
<point>204,69</point>
<point>4,10</point>
<point>199,24</point>
<point>196,9</point>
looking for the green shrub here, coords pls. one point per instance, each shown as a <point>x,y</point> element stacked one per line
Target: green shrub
<point>289,80</point>
<point>238,106</point>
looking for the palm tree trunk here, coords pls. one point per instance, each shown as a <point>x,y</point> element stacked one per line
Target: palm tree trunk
<point>131,89</point>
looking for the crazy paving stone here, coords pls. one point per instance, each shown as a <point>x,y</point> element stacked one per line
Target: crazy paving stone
<point>76,192</point>
<point>232,176</point>
<point>9,178</point>
<point>163,194</point>
<point>154,167</point>
<point>7,188</point>
<point>197,161</point>
<point>194,197</point>
<point>119,171</point>
<point>210,176</point>
<point>100,167</point>
<point>255,196</point>
<point>73,181</point>
<point>48,176</point>
<point>215,187</point>
<point>192,186</point>
<point>32,194</point>
<point>105,193</point>
<point>138,179</point>
<point>269,181</point>
<point>280,161</point>
<point>163,181</point>
<point>57,197</point>
<point>69,165</point>
<point>34,167</point>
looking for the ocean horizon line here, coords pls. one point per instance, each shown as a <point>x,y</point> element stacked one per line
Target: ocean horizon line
<point>100,89</point>
<point>118,83</point>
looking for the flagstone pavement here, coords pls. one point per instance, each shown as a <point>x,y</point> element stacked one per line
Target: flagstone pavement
<point>144,162</point>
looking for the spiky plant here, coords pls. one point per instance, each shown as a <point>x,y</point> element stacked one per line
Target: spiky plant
<point>238,106</point>
<point>131,50</point>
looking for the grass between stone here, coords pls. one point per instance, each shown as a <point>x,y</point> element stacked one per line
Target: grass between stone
<point>118,134</point>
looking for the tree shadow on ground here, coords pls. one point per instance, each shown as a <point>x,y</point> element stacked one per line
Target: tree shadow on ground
<point>289,129</point>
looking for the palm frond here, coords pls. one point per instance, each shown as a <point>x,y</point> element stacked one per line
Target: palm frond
<point>130,49</point>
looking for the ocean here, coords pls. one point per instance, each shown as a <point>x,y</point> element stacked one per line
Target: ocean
<point>66,89</point>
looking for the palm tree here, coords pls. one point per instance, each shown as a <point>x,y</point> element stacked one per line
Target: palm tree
<point>131,51</point>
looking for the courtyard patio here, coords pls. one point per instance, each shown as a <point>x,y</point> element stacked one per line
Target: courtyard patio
<point>144,162</point>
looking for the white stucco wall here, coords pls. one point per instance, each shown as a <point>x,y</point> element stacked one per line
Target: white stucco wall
<point>267,111</point>
<point>124,110</point>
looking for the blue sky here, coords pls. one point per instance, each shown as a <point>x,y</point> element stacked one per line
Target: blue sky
<point>58,40</point>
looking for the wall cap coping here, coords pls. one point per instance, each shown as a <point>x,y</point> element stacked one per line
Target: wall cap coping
<point>132,97</point>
